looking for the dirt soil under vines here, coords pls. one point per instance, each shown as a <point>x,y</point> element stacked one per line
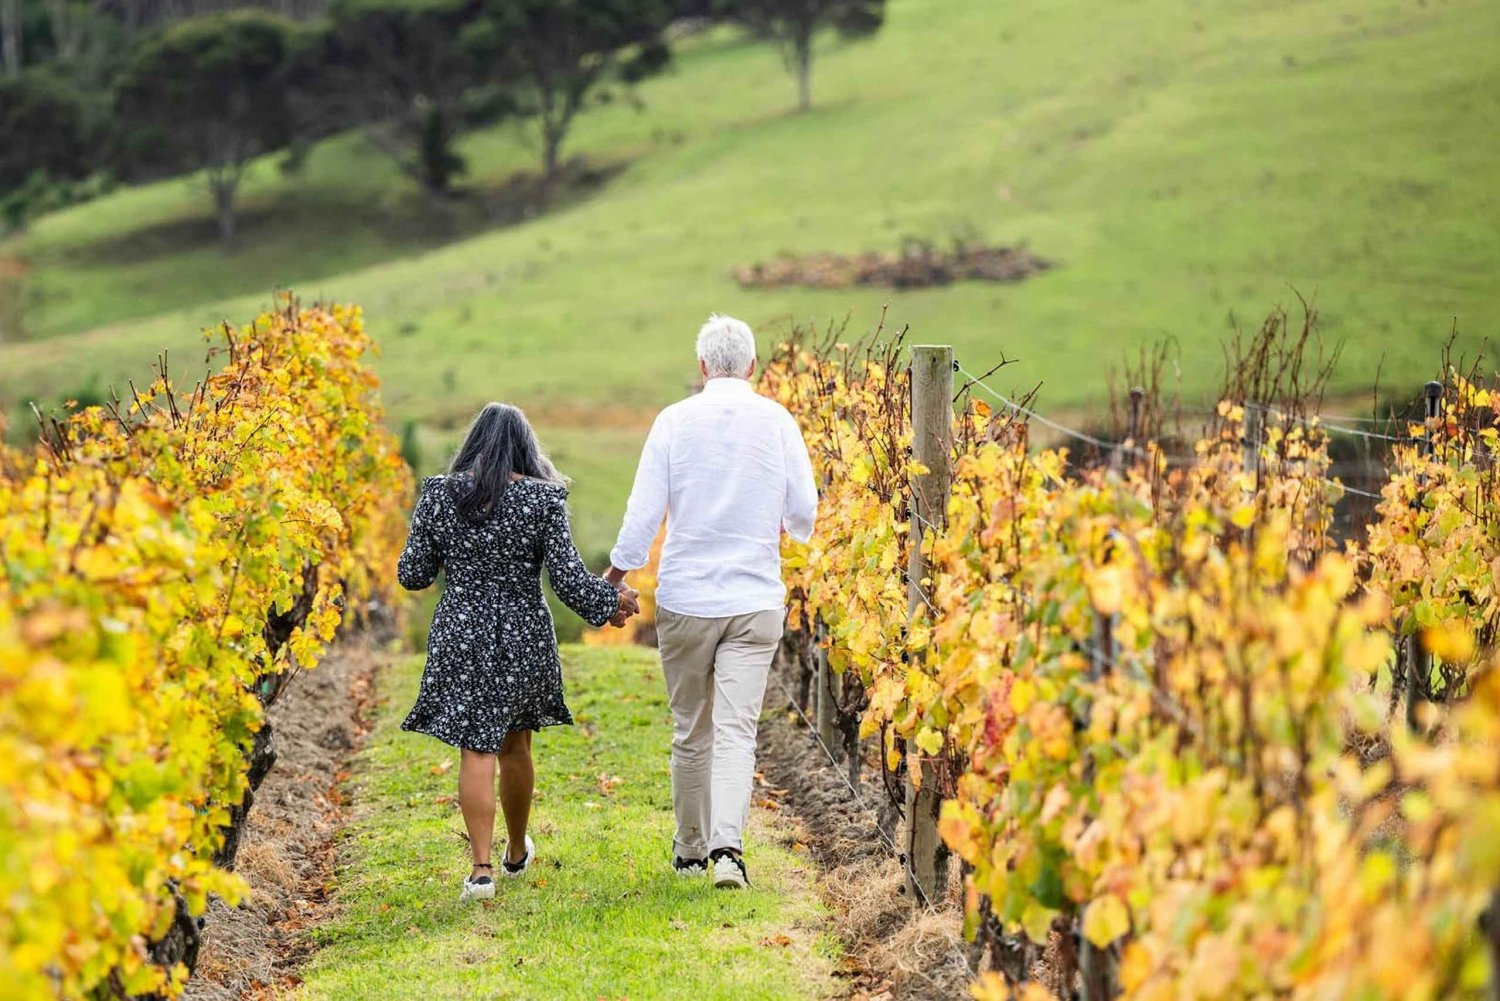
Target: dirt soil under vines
<point>895,952</point>
<point>287,853</point>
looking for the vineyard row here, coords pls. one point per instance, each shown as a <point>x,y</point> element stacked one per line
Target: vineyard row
<point>1156,708</point>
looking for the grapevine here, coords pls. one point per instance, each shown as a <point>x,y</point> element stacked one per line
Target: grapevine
<point>168,560</point>
<point>1146,682</point>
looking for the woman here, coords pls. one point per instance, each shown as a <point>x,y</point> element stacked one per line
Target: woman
<point>492,673</point>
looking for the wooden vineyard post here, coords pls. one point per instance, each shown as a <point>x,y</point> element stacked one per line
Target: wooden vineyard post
<point>826,687</point>
<point>1117,459</point>
<point>1418,660</point>
<point>1250,438</point>
<point>1097,967</point>
<point>932,447</point>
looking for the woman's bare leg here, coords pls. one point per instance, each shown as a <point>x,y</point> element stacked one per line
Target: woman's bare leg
<point>517,779</point>
<point>476,798</point>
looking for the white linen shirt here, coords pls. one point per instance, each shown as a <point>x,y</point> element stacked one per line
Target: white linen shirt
<point>729,470</point>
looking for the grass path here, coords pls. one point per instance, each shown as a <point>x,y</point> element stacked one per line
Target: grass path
<point>603,916</point>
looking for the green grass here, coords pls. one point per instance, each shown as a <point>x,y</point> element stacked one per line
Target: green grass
<point>603,917</point>
<point>1188,165</point>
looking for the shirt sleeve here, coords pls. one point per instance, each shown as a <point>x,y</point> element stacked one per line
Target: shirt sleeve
<point>800,509</point>
<point>594,599</point>
<point>648,501</point>
<point>423,556</point>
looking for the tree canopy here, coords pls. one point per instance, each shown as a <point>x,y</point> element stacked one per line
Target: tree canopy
<point>48,126</point>
<point>552,56</point>
<point>398,66</point>
<point>211,94</point>
<point>793,24</point>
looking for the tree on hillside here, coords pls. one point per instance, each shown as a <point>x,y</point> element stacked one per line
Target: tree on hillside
<point>47,126</point>
<point>211,94</point>
<point>397,65</point>
<point>552,56</point>
<point>793,24</point>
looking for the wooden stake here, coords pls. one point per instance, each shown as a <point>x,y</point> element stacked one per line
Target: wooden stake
<point>932,446</point>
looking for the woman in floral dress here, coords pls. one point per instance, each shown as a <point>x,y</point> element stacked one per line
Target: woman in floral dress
<point>492,674</point>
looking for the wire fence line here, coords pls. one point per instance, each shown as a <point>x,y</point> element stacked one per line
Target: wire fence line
<point>1125,448</point>
<point>1337,425</point>
<point>1332,425</point>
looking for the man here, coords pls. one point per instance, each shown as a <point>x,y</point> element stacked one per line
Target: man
<point>729,469</point>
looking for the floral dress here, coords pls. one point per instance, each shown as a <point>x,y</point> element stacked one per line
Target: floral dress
<point>492,665</point>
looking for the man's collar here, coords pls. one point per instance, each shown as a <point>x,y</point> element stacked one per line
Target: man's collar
<point>726,384</point>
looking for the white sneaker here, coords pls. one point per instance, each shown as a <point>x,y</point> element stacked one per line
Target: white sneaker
<point>729,870</point>
<point>477,888</point>
<point>510,870</point>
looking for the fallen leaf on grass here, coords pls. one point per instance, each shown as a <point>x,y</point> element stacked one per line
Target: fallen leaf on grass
<point>608,783</point>
<point>778,941</point>
<point>441,768</point>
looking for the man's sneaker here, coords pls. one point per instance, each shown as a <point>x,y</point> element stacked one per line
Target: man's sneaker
<point>690,866</point>
<point>729,870</point>
<point>509,868</point>
<point>477,887</point>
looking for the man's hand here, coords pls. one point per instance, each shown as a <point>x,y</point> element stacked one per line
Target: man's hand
<point>615,576</point>
<point>630,605</point>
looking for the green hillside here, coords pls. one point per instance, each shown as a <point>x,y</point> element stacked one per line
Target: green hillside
<point>1187,164</point>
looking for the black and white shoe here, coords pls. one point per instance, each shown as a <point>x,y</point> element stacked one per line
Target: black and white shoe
<point>477,887</point>
<point>729,869</point>
<point>514,869</point>
<point>690,866</point>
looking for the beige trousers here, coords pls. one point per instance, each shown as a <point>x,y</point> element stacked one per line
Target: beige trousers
<point>716,681</point>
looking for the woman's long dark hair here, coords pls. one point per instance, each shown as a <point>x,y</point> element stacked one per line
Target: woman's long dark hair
<point>500,443</point>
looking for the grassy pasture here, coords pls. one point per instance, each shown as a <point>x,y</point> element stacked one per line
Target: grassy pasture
<point>1187,164</point>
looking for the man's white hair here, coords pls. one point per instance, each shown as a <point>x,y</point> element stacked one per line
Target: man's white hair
<point>726,346</point>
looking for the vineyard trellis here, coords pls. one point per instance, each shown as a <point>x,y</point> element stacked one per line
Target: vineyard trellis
<point>1153,691</point>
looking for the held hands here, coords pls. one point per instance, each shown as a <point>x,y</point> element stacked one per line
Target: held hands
<point>630,604</point>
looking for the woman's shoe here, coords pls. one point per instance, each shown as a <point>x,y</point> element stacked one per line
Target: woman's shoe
<point>477,887</point>
<point>513,869</point>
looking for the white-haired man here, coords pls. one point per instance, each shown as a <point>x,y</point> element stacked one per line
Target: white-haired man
<point>729,470</point>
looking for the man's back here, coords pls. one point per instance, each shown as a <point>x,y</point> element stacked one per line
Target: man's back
<point>730,470</point>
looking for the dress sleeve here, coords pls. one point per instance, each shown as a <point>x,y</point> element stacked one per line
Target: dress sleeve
<point>593,598</point>
<point>423,556</point>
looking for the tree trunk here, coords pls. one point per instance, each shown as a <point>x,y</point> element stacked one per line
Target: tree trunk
<point>67,29</point>
<point>223,189</point>
<point>552,140</point>
<point>802,66</point>
<point>10,37</point>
